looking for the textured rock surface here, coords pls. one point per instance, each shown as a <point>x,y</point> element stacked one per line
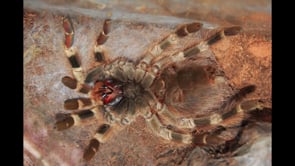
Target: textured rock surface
<point>246,59</point>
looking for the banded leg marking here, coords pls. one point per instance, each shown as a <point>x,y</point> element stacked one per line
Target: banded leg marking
<point>100,55</point>
<point>71,52</point>
<point>75,85</point>
<point>235,110</point>
<point>251,105</point>
<point>77,103</point>
<point>227,31</point>
<point>157,128</point>
<point>99,50</point>
<point>178,57</point>
<point>238,97</point>
<point>257,111</point>
<point>186,29</point>
<point>69,32</point>
<point>75,119</point>
<point>145,78</point>
<point>194,49</point>
<point>126,109</point>
<point>100,136</point>
<point>191,123</point>
<point>119,69</point>
<point>155,51</point>
<point>165,113</point>
<point>76,65</point>
<point>214,120</point>
<point>233,116</point>
<point>207,139</point>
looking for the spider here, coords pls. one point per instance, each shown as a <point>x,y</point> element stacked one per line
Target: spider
<point>184,97</point>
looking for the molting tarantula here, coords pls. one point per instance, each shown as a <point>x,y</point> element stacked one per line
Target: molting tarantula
<point>184,97</point>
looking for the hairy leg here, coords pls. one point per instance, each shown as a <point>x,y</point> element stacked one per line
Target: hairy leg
<point>192,50</point>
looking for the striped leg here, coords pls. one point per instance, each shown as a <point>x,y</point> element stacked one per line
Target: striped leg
<point>156,51</point>
<point>88,109</point>
<point>102,134</point>
<point>230,118</point>
<point>76,118</point>
<point>194,49</point>
<point>234,111</point>
<point>75,85</point>
<point>141,73</point>
<point>155,124</point>
<point>79,103</point>
<point>99,50</point>
<point>212,138</point>
<point>158,129</point>
<point>202,139</point>
<point>257,111</point>
<point>71,52</point>
<point>100,54</point>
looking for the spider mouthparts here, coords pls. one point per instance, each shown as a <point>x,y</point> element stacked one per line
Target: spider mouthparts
<point>108,91</point>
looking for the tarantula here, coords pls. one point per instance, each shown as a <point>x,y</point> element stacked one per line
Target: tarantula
<point>184,97</point>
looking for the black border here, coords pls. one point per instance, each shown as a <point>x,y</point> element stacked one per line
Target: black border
<point>12,77</point>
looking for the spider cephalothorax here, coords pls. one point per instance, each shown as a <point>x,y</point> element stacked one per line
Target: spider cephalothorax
<point>184,97</point>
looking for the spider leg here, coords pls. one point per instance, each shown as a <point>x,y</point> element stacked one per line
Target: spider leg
<point>233,112</point>
<point>123,70</point>
<point>102,134</point>
<point>100,55</point>
<point>70,51</point>
<point>126,110</point>
<point>79,103</point>
<point>209,138</point>
<point>192,50</point>
<point>79,117</point>
<point>154,123</point>
<point>230,118</point>
<point>257,110</point>
<point>119,69</point>
<point>99,50</point>
<point>200,139</point>
<point>156,50</point>
<point>203,139</point>
<point>157,128</point>
<point>75,85</point>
